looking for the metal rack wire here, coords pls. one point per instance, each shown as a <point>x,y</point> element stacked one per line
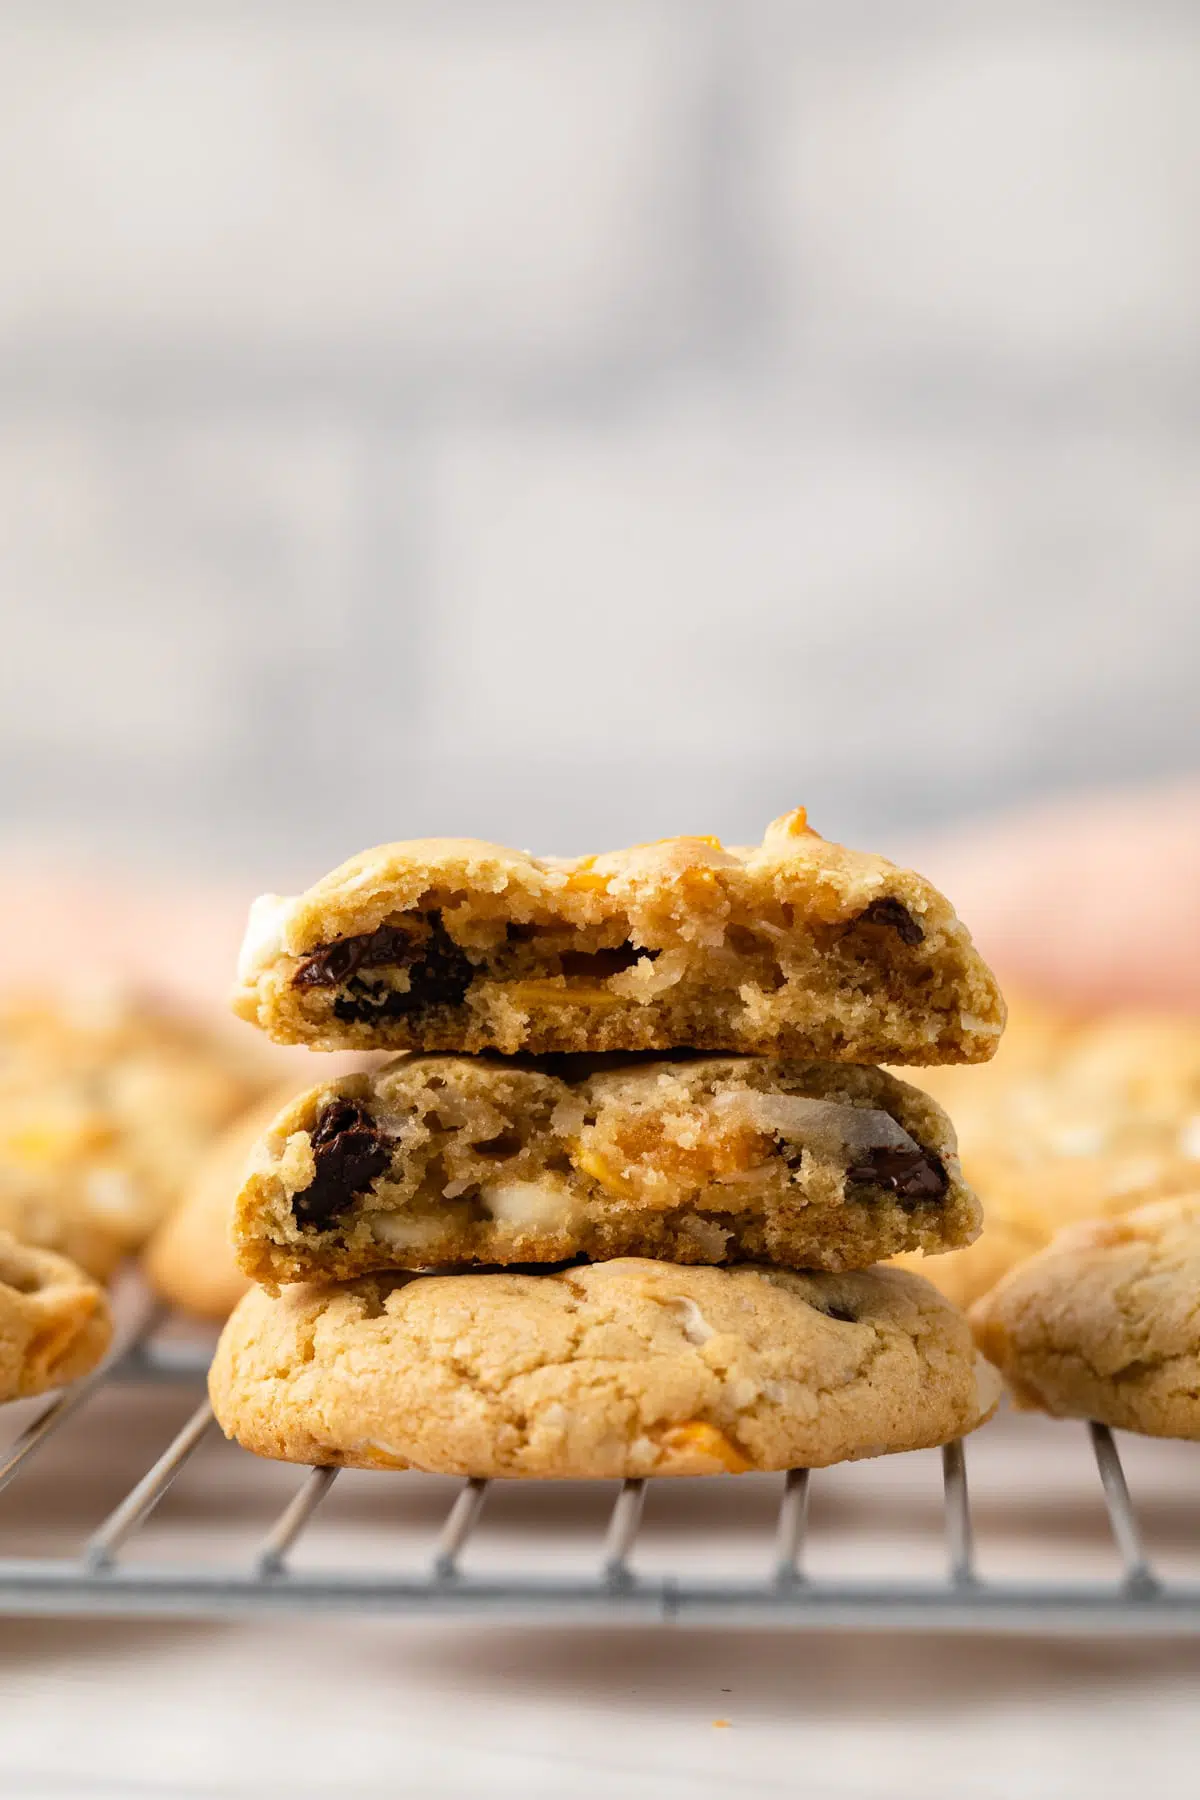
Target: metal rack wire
<point>98,1582</point>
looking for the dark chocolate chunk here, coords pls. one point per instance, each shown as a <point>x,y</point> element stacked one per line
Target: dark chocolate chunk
<point>351,1153</point>
<point>844,1315</point>
<point>440,971</point>
<point>600,964</point>
<point>337,962</point>
<point>895,915</point>
<point>912,1174</point>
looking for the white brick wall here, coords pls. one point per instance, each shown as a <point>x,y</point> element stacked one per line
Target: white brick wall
<point>503,180</point>
<point>714,585</point>
<point>1009,187</point>
<point>571,423</point>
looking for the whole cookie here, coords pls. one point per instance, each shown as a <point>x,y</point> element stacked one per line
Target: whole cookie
<point>54,1320</point>
<point>1105,1323</point>
<point>615,1369</point>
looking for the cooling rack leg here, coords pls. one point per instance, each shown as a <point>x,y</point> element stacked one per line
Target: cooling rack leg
<point>790,1532</point>
<point>140,1502</point>
<point>1128,1538</point>
<point>461,1521</point>
<point>960,1539</point>
<point>622,1532</point>
<point>59,1411</point>
<point>292,1520</point>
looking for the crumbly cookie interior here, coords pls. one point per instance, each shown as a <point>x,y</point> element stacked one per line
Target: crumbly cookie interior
<point>461,973</point>
<point>441,1160</point>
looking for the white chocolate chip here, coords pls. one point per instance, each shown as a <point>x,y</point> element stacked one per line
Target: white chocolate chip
<point>401,1232</point>
<point>696,1328</point>
<point>535,1204</point>
<point>981,1027</point>
<point>266,935</point>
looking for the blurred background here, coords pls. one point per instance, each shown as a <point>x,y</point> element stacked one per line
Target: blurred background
<point>577,424</point>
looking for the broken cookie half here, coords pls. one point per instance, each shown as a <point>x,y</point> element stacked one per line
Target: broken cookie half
<point>796,947</point>
<point>453,1161</point>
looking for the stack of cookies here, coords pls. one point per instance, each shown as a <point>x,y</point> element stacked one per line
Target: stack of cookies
<point>640,1135</point>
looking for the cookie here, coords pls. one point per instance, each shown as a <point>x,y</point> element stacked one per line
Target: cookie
<point>451,1160</point>
<point>976,1094</point>
<point>1105,1120</point>
<point>189,1261</point>
<point>797,947</point>
<point>106,1101</point>
<point>1024,1205</point>
<point>1125,1086</point>
<point>54,1321</point>
<point>1105,1323</point>
<point>604,1370</point>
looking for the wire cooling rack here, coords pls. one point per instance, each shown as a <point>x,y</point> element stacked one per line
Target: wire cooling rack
<point>101,1580</point>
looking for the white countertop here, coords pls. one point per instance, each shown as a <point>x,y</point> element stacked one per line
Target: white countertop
<point>334,1706</point>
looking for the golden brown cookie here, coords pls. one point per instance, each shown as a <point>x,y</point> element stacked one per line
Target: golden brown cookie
<point>451,1160</point>
<point>1105,1323</point>
<point>1104,1120</point>
<point>796,947</point>
<point>54,1321</point>
<point>1125,1086</point>
<point>976,1094</point>
<point>604,1370</point>
<point>106,1101</point>
<point>1024,1205</point>
<point>190,1261</point>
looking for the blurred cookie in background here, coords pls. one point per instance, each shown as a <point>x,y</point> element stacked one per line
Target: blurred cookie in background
<point>107,1099</point>
<point>189,1260</point>
<point>55,1323</point>
<point>1123,1085</point>
<point>1023,1208</point>
<point>976,1095</point>
<point>1105,1120</point>
<point>1104,1324</point>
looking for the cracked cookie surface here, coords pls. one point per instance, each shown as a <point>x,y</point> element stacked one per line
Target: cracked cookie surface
<point>443,1161</point>
<point>614,1369</point>
<point>1105,1323</point>
<point>55,1323</point>
<point>797,946</point>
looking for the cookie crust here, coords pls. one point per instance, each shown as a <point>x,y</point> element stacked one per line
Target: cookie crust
<point>608,1370</point>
